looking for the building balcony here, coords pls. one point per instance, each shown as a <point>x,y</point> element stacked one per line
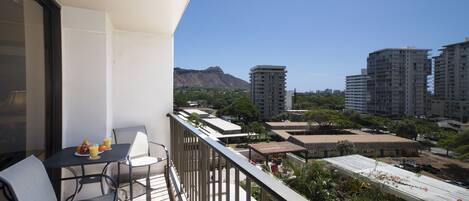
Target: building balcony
<point>207,170</point>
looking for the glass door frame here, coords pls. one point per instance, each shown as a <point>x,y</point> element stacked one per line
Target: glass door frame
<point>53,88</point>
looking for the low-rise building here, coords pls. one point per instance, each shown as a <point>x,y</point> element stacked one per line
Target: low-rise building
<point>201,113</point>
<point>399,182</point>
<point>320,146</point>
<point>325,145</point>
<point>286,125</point>
<point>215,127</point>
<point>222,126</point>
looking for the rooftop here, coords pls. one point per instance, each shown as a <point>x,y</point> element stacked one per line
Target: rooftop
<point>222,125</point>
<point>196,111</point>
<point>286,125</point>
<point>402,183</point>
<point>466,41</point>
<point>268,67</point>
<point>267,148</point>
<point>213,133</point>
<point>402,48</point>
<point>311,139</point>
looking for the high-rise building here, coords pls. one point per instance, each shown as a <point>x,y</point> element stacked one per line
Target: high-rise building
<point>397,83</point>
<point>289,99</point>
<point>356,94</point>
<point>451,82</point>
<point>268,89</point>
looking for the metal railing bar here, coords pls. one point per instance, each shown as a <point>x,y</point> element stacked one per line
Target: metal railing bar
<point>227,180</point>
<point>207,172</point>
<point>236,184</point>
<point>220,178</point>
<point>191,165</point>
<point>213,176</point>
<point>248,189</point>
<point>199,167</point>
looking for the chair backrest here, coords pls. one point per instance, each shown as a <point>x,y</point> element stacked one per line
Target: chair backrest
<point>28,180</point>
<point>127,135</point>
<point>139,146</point>
<point>137,136</point>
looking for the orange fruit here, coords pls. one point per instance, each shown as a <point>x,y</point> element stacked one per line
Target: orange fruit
<point>102,147</point>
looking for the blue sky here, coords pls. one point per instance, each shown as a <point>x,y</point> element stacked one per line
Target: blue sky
<point>319,41</point>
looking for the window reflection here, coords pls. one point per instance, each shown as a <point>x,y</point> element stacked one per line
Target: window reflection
<point>22,81</point>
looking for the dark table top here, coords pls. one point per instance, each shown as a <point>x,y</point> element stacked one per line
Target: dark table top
<point>66,157</point>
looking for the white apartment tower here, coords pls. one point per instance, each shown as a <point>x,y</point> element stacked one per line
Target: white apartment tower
<point>356,94</point>
<point>451,82</point>
<point>397,82</point>
<point>268,89</point>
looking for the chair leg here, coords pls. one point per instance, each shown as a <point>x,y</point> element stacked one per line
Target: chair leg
<point>168,182</point>
<point>148,176</point>
<point>130,183</point>
<point>148,186</point>
<point>116,195</point>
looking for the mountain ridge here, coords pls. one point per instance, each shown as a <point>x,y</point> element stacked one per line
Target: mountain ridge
<point>211,77</point>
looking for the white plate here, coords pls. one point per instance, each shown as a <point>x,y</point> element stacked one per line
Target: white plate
<point>78,154</point>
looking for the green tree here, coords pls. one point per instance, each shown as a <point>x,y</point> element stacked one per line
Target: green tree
<point>316,181</point>
<point>312,180</point>
<point>214,97</point>
<point>307,101</point>
<point>258,129</point>
<point>281,117</point>
<point>461,145</point>
<point>196,120</point>
<point>446,140</point>
<point>405,128</point>
<point>242,109</point>
<point>425,126</point>
<point>327,118</point>
<point>376,122</point>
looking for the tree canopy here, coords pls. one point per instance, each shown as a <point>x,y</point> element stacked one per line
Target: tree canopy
<point>316,181</point>
<point>405,128</point>
<point>307,101</point>
<point>257,128</point>
<point>196,120</point>
<point>214,98</point>
<point>327,118</point>
<point>459,143</point>
<point>242,109</point>
<point>368,121</point>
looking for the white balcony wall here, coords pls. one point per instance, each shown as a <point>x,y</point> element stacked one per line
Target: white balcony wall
<point>143,82</point>
<point>86,58</point>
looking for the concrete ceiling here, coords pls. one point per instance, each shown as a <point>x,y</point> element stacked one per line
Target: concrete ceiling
<point>153,16</point>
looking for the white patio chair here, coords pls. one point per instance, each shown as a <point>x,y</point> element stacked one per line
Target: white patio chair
<point>139,155</point>
<point>27,180</point>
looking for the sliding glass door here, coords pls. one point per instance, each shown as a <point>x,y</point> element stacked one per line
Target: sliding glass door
<point>30,80</point>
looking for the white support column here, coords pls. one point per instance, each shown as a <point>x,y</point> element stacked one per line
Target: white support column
<point>86,54</point>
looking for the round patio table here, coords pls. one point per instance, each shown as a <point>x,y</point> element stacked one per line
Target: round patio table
<point>66,159</point>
